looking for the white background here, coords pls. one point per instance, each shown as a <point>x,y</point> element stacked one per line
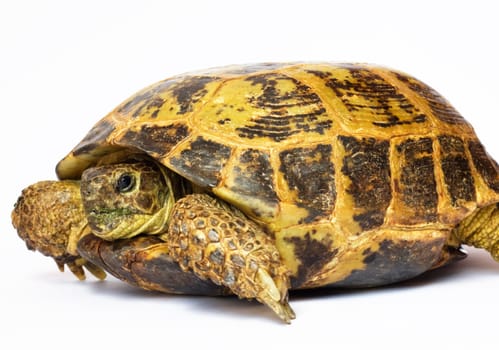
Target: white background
<point>65,64</point>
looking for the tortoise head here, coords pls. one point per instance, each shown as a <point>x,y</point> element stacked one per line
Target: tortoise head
<point>123,200</point>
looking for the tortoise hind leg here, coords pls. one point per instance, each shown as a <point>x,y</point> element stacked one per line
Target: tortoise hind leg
<point>143,261</point>
<point>481,229</point>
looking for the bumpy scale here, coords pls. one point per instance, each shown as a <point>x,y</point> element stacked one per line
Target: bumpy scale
<point>480,229</point>
<point>49,217</point>
<point>218,243</point>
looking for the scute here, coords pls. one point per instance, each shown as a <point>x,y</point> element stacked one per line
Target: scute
<point>155,140</point>
<point>201,161</point>
<point>309,176</point>
<point>324,155</point>
<point>274,108</point>
<point>366,170</point>
<point>394,261</point>
<point>417,196</point>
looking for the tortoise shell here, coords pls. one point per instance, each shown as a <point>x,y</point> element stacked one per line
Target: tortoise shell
<point>358,171</point>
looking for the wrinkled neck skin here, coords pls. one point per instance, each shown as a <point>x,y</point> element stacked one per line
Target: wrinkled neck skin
<point>126,199</point>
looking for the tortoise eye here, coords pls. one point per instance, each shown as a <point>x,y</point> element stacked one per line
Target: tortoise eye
<point>125,183</point>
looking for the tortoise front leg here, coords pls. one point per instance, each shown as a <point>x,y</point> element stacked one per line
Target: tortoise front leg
<point>218,243</point>
<point>49,217</point>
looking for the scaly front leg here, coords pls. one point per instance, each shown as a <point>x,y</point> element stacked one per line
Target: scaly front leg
<point>49,217</point>
<point>217,242</point>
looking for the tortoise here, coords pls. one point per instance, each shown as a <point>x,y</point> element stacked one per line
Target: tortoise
<point>256,179</point>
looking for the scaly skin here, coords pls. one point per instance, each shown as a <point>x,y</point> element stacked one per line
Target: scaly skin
<point>49,217</point>
<point>219,243</point>
<point>481,230</point>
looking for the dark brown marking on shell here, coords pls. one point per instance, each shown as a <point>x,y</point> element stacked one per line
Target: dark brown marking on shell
<point>310,172</point>
<point>486,166</point>
<point>395,261</point>
<point>254,177</point>
<point>282,121</point>
<point>379,96</point>
<point>202,162</point>
<point>189,91</point>
<point>457,173</point>
<point>417,184</point>
<point>147,99</point>
<point>366,163</point>
<point>155,140</point>
<point>96,136</point>
<point>137,262</point>
<point>313,256</point>
<point>439,105</point>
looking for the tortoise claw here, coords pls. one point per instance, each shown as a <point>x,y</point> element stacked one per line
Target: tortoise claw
<point>95,270</point>
<point>76,267</point>
<point>275,296</point>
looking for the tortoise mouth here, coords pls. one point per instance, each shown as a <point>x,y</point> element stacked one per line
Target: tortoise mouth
<point>104,219</point>
<point>111,224</point>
